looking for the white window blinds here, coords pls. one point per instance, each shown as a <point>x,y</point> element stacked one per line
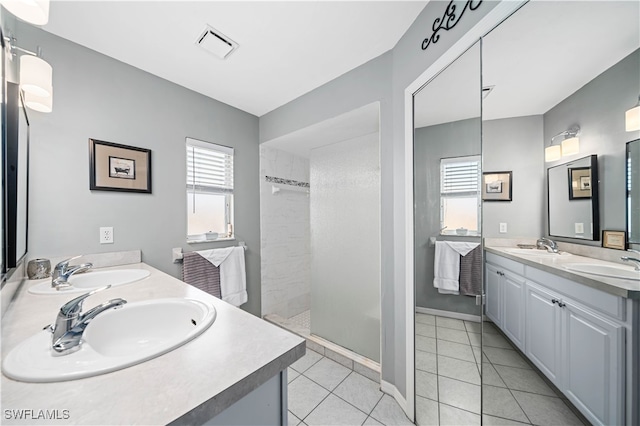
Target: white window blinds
<point>209,167</point>
<point>460,176</point>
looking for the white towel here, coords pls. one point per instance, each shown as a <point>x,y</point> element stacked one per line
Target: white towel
<point>216,256</point>
<point>233,277</point>
<point>446,265</point>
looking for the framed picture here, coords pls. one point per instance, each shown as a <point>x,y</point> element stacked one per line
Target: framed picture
<point>115,167</point>
<point>496,186</point>
<point>614,239</point>
<point>579,183</point>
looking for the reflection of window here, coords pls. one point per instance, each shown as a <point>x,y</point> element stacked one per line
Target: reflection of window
<point>460,195</point>
<point>209,189</point>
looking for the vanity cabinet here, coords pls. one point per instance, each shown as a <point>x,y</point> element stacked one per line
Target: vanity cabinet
<point>505,299</point>
<point>574,334</point>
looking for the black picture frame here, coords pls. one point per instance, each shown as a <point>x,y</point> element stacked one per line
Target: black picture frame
<point>102,176</point>
<point>497,186</point>
<point>580,183</point>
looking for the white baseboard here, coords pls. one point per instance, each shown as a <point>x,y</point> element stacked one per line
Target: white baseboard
<point>449,314</point>
<point>392,391</point>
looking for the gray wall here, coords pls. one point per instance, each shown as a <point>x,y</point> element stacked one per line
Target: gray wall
<point>99,97</point>
<point>361,86</point>
<point>515,144</point>
<point>456,139</point>
<point>598,108</point>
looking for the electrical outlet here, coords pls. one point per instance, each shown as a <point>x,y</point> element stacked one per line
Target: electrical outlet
<point>503,228</point>
<point>106,235</point>
<point>579,228</point>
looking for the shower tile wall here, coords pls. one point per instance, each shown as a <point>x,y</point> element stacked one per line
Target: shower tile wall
<point>285,236</point>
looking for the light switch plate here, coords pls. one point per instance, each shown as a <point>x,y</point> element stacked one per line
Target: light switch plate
<point>503,228</point>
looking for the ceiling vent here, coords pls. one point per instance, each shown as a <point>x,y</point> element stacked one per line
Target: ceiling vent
<point>213,41</point>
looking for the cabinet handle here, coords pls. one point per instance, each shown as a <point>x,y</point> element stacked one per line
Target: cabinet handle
<point>561,304</point>
<point>554,301</point>
<point>500,273</point>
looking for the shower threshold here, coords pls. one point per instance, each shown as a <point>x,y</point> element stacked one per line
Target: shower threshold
<point>299,325</point>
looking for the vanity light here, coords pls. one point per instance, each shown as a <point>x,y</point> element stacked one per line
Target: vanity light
<point>36,76</point>
<point>632,118</point>
<point>552,153</point>
<point>35,12</point>
<point>38,103</point>
<point>569,146</point>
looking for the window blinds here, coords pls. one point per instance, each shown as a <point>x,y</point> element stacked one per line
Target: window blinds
<point>209,167</point>
<point>460,176</point>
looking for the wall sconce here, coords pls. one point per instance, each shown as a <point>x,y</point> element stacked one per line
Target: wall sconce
<point>36,78</point>
<point>632,118</point>
<point>35,12</point>
<point>569,146</point>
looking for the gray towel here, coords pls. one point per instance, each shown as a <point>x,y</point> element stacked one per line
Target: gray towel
<point>200,273</point>
<point>471,272</point>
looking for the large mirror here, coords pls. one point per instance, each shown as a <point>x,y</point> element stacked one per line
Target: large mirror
<point>633,194</point>
<point>447,174</point>
<point>572,190</point>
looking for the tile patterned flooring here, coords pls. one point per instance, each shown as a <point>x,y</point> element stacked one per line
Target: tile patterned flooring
<point>324,392</point>
<point>448,379</point>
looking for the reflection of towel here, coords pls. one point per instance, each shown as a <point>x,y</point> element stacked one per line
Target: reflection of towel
<point>471,273</point>
<point>200,273</point>
<point>233,278</point>
<point>446,268</point>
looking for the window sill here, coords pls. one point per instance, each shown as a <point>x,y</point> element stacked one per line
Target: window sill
<point>201,241</point>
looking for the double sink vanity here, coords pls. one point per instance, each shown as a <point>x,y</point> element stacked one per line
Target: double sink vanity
<point>219,364</point>
<point>577,319</point>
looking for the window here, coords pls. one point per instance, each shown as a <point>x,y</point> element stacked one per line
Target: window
<point>460,195</point>
<point>209,190</point>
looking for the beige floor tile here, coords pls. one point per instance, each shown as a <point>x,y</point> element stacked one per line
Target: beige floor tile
<point>510,358</point>
<point>459,394</point>
<point>335,411</point>
<point>452,416</point>
<point>426,412</point>
<point>457,336</point>
<point>450,323</point>
<point>426,361</point>
<point>524,380</point>
<point>500,402</point>
<point>425,318</point>
<point>427,385</point>
<point>496,341</point>
<point>426,330</point>
<point>457,369</point>
<point>455,350</point>
<point>426,344</point>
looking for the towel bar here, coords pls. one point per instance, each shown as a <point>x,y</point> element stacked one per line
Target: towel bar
<point>177,254</point>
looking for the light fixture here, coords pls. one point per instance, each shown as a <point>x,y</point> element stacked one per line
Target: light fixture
<point>35,12</point>
<point>632,118</point>
<point>569,146</point>
<point>36,76</point>
<point>38,103</point>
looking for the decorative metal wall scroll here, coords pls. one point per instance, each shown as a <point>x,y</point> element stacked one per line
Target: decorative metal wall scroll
<point>449,20</point>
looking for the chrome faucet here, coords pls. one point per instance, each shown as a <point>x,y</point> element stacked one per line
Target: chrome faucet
<point>549,244</point>
<point>70,323</point>
<point>62,272</point>
<point>632,259</point>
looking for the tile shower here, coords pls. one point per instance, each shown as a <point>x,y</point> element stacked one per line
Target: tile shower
<point>285,235</point>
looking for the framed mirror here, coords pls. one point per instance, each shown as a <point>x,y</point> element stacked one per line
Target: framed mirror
<point>572,190</point>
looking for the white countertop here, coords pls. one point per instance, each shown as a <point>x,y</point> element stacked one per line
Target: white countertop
<point>620,287</point>
<point>238,353</point>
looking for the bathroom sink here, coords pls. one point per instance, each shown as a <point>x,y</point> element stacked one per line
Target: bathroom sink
<point>610,271</point>
<point>114,340</point>
<point>82,283</point>
<point>534,252</point>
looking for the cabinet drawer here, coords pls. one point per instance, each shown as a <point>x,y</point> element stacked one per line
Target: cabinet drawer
<point>503,262</point>
<point>606,303</point>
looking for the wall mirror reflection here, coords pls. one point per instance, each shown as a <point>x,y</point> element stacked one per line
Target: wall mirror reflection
<point>448,266</point>
<point>572,190</point>
<point>561,75</point>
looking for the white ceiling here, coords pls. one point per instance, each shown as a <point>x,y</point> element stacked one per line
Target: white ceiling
<point>539,56</point>
<point>359,122</point>
<point>286,48</point>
